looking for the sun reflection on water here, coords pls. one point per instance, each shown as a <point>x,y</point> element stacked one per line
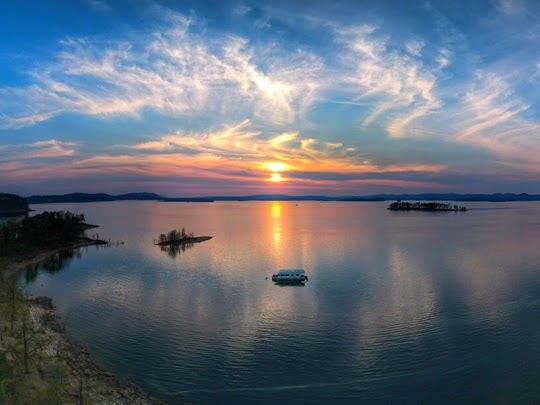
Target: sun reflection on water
<point>276,223</point>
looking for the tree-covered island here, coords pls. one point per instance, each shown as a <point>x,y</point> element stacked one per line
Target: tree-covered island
<point>176,237</point>
<point>424,206</point>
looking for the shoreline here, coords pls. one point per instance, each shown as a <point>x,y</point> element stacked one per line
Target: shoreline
<point>98,384</point>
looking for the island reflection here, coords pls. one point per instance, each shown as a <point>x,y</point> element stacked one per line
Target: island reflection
<point>174,250</point>
<point>57,262</point>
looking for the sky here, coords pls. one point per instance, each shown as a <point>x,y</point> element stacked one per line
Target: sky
<point>195,98</point>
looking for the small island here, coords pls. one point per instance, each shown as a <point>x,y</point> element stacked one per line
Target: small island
<point>424,206</point>
<point>175,237</point>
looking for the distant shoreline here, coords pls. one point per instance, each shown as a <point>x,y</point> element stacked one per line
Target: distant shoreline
<point>103,197</point>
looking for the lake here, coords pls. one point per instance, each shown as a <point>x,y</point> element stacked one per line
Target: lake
<point>399,306</point>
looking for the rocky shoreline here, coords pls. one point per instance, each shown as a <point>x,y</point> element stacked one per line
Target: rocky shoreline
<point>84,378</point>
<point>84,381</point>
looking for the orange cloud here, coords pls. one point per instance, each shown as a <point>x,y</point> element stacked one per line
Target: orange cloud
<point>240,148</point>
<point>235,155</point>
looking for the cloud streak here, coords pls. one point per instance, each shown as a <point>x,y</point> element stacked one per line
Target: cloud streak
<point>35,152</point>
<point>401,88</point>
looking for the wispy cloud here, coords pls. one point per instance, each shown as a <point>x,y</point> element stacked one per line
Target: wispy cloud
<point>301,159</point>
<point>415,47</point>
<point>176,71</point>
<point>444,59</point>
<point>246,148</point>
<point>7,122</point>
<point>399,86</point>
<point>492,118</point>
<point>512,8</point>
<point>37,151</point>
<point>51,149</point>
<point>100,5</point>
<point>241,10</point>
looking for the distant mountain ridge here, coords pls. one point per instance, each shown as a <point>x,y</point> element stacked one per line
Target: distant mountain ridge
<point>86,197</point>
<point>97,197</point>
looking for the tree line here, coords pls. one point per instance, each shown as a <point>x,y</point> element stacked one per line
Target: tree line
<point>41,230</point>
<point>426,206</point>
<point>174,235</point>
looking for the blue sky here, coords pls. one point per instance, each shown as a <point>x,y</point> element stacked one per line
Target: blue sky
<point>242,97</point>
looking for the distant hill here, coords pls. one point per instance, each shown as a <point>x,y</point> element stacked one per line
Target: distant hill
<point>98,197</point>
<point>84,197</point>
<point>187,199</point>
<point>12,205</point>
<point>498,197</point>
<point>138,196</point>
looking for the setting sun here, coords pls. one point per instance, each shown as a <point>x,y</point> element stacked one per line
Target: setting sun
<point>275,168</point>
<point>276,178</point>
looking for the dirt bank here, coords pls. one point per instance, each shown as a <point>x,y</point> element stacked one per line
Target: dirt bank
<point>83,376</point>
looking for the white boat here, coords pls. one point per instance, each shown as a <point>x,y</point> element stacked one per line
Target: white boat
<point>290,276</point>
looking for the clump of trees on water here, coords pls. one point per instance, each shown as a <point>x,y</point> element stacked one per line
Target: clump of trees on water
<point>424,206</point>
<point>46,229</point>
<point>174,236</point>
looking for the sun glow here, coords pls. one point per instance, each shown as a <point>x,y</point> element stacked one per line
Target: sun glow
<point>276,178</point>
<point>277,167</point>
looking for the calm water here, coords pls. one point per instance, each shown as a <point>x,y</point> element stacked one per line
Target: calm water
<point>399,306</point>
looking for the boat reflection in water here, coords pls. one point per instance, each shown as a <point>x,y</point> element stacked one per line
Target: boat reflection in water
<point>289,284</point>
<point>290,277</point>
